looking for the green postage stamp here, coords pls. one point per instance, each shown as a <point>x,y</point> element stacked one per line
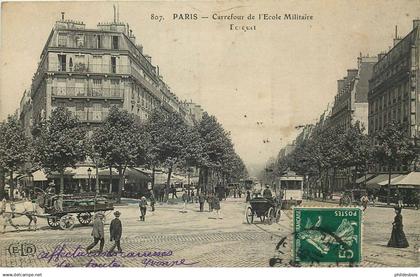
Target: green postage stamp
<point>327,235</point>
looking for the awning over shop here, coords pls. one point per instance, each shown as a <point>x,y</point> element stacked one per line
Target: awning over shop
<point>411,180</point>
<point>81,172</point>
<point>393,180</point>
<point>136,176</point>
<point>363,178</point>
<point>103,172</point>
<point>161,177</point>
<point>39,176</point>
<point>374,183</point>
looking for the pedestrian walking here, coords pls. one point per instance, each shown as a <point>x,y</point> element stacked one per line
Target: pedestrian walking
<point>152,200</point>
<point>184,200</point>
<point>97,233</point>
<point>192,196</point>
<point>210,198</point>
<point>216,207</point>
<point>398,239</point>
<point>240,193</point>
<point>234,193</point>
<point>3,205</point>
<point>201,200</point>
<point>248,196</point>
<point>115,230</point>
<point>365,201</point>
<point>143,208</point>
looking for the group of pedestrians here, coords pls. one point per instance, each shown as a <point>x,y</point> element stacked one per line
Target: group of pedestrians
<point>98,233</point>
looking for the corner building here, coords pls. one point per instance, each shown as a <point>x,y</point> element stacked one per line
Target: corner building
<point>394,87</point>
<point>90,70</point>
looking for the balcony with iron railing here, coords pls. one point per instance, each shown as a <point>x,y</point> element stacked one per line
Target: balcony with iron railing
<point>80,92</point>
<point>79,67</point>
<point>91,116</point>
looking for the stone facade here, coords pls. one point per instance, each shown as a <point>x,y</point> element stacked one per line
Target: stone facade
<point>90,70</point>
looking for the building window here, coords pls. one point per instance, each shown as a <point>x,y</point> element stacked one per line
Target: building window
<point>79,63</point>
<point>61,87</point>
<point>61,62</point>
<point>96,65</point>
<point>79,87</point>
<point>98,41</point>
<point>114,42</point>
<point>97,87</point>
<point>97,112</point>
<point>115,91</point>
<point>80,40</point>
<point>62,40</point>
<point>113,65</point>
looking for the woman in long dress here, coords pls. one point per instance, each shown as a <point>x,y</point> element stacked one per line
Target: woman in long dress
<point>398,239</point>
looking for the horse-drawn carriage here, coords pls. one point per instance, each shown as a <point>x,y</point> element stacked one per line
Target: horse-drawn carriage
<point>268,210</point>
<point>59,210</point>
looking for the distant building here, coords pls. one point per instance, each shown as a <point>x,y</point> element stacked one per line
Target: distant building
<point>25,112</point>
<point>394,87</point>
<point>351,101</point>
<point>90,70</point>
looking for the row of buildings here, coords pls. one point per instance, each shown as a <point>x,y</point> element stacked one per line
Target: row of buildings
<point>381,89</point>
<point>90,70</point>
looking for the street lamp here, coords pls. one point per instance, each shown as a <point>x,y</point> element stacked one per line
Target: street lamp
<point>89,171</point>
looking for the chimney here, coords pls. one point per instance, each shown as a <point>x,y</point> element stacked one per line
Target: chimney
<point>416,23</point>
<point>351,73</point>
<point>340,85</point>
<point>115,15</point>
<point>157,68</point>
<point>148,58</point>
<point>62,16</point>
<point>380,56</point>
<point>396,38</point>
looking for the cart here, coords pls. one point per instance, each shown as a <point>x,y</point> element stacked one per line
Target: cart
<point>84,205</point>
<point>268,210</point>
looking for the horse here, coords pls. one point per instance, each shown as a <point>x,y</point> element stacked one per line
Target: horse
<point>29,210</point>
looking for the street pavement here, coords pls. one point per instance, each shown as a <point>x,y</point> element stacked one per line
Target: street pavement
<point>193,238</point>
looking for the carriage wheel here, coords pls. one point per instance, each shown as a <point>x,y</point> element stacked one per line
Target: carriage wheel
<point>278,214</point>
<point>84,218</point>
<point>66,222</point>
<point>270,216</point>
<point>53,221</point>
<point>249,215</point>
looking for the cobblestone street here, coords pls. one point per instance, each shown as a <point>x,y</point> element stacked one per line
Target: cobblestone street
<point>202,240</point>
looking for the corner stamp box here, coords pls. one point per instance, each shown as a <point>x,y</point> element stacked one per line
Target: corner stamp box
<point>327,235</point>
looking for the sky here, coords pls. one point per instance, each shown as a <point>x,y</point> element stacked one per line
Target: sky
<point>260,84</point>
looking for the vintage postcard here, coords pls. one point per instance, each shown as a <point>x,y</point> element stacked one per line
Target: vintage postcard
<point>193,134</point>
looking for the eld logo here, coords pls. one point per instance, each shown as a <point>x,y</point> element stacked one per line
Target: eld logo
<point>22,249</point>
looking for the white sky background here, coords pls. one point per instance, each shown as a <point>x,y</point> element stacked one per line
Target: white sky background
<point>283,74</point>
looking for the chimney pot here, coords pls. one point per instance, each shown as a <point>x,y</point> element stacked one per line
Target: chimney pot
<point>62,15</point>
<point>416,23</point>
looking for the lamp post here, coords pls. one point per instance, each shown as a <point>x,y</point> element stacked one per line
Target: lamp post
<point>89,171</point>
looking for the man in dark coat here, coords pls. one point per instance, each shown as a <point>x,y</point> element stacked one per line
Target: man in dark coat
<point>201,200</point>
<point>267,192</point>
<point>152,200</point>
<point>97,233</point>
<point>115,230</point>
